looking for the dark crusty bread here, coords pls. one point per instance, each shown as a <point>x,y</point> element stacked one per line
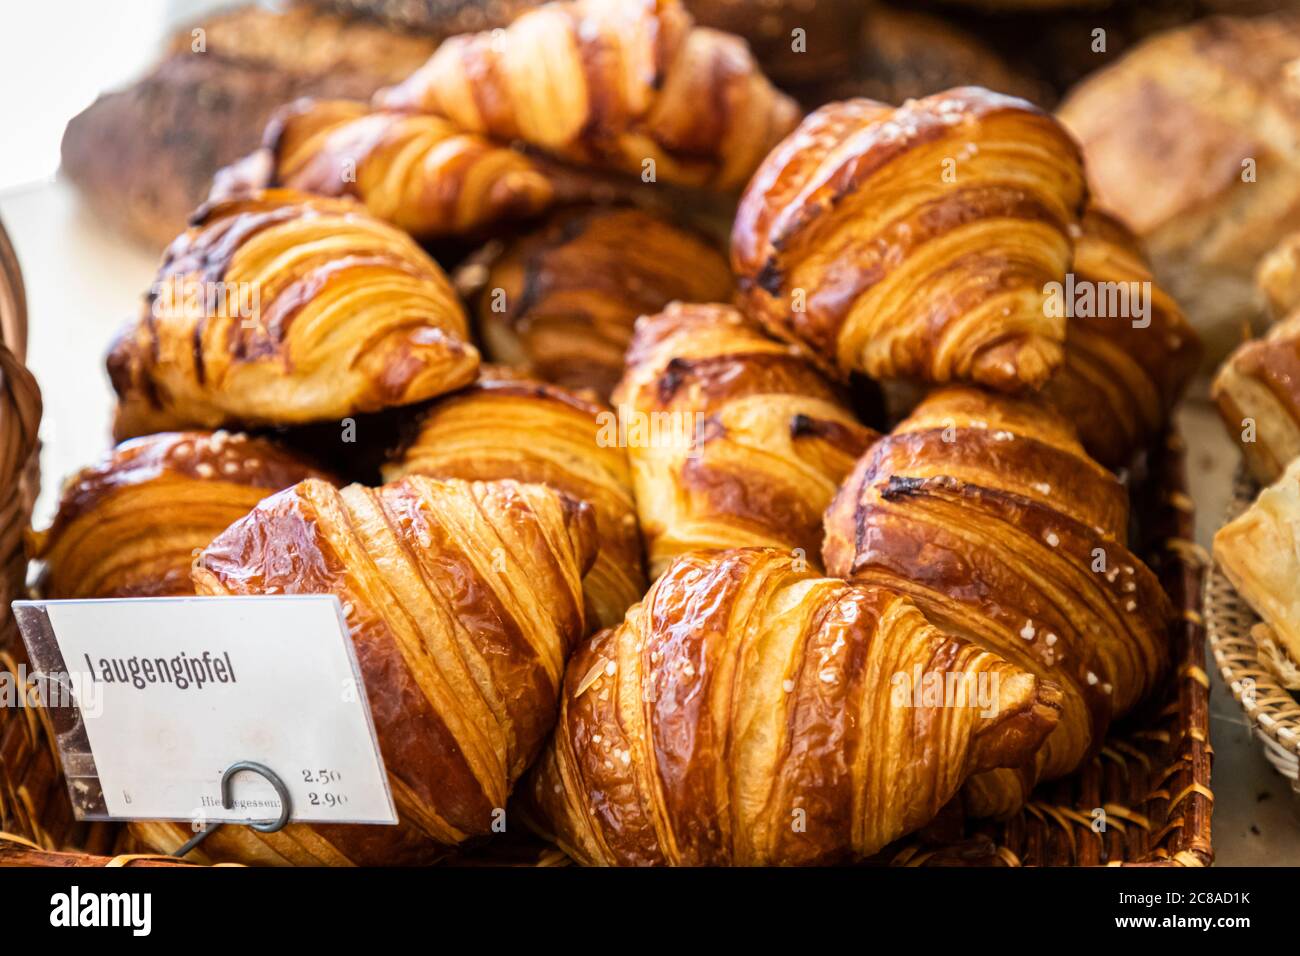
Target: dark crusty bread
<point>144,157</point>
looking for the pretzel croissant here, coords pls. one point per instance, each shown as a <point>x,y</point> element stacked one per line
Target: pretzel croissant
<point>609,83</point>
<point>463,600</point>
<point>1123,372</point>
<point>131,525</point>
<point>281,308</point>
<point>561,302</point>
<point>514,428</point>
<point>914,243</point>
<point>986,512</point>
<point>735,439</point>
<point>747,713</point>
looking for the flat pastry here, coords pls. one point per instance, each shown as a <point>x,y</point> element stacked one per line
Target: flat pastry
<point>1129,351</point>
<point>915,242</point>
<point>1257,390</point>
<point>985,510</point>
<point>133,524</point>
<point>749,712</point>
<point>629,85</point>
<point>560,302</point>
<point>735,439</point>
<point>464,600</point>
<point>280,308</point>
<point>1259,551</point>
<point>511,427</point>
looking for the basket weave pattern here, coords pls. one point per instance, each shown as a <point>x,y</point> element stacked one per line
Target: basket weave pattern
<point>1272,711</point>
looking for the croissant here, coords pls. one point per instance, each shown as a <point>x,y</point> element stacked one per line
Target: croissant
<point>735,440</point>
<point>280,308</point>
<point>622,84</point>
<point>132,524</point>
<point>1257,390</point>
<point>529,431</point>
<point>985,510</point>
<point>1129,351</point>
<point>914,243</point>
<point>416,171</point>
<point>561,302</point>
<point>748,712</point>
<point>463,599</point>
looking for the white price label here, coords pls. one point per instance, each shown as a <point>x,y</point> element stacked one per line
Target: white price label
<point>152,699</point>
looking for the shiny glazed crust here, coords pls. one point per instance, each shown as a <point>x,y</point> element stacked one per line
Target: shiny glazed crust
<point>747,713</point>
<point>609,83</point>
<point>735,439</point>
<point>325,312</point>
<point>416,171</point>
<point>502,428</point>
<point>1123,373</point>
<point>463,600</point>
<point>561,302</point>
<point>915,242</point>
<point>986,512</point>
<point>132,525</point>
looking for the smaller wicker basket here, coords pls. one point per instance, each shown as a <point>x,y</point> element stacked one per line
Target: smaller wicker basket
<point>1271,709</point>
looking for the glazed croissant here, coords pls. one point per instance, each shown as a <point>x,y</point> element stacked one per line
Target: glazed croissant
<point>561,302</point>
<point>735,439</point>
<point>748,712</point>
<point>416,171</point>
<point>1126,368</point>
<point>609,83</point>
<point>132,525</point>
<point>463,600</point>
<point>281,309</point>
<point>914,243</point>
<point>986,512</point>
<point>505,427</point>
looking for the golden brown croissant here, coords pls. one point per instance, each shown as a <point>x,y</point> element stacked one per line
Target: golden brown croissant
<point>282,308</point>
<point>132,525</point>
<point>1129,351</point>
<point>463,600</point>
<point>915,242</point>
<point>561,302</point>
<point>986,512</point>
<point>416,171</point>
<point>735,439</point>
<point>748,712</point>
<point>610,83</point>
<point>1257,390</point>
<point>529,431</point>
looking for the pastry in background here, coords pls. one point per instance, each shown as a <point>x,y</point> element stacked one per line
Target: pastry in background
<point>748,713</point>
<point>508,427</point>
<point>144,157</point>
<point>1278,276</point>
<point>1191,139</point>
<point>985,511</point>
<point>903,54</point>
<point>825,45</point>
<point>735,439</point>
<point>1129,351</point>
<point>560,302</point>
<point>133,524</point>
<point>463,600</point>
<point>1257,390</point>
<point>1259,551</point>
<point>283,309</point>
<point>915,242</point>
<point>624,85</point>
<point>434,18</point>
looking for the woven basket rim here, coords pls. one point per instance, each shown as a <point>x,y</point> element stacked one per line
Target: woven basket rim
<point>1272,711</point>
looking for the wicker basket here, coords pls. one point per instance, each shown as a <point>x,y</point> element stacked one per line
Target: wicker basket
<point>1151,778</point>
<point>1272,711</point>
